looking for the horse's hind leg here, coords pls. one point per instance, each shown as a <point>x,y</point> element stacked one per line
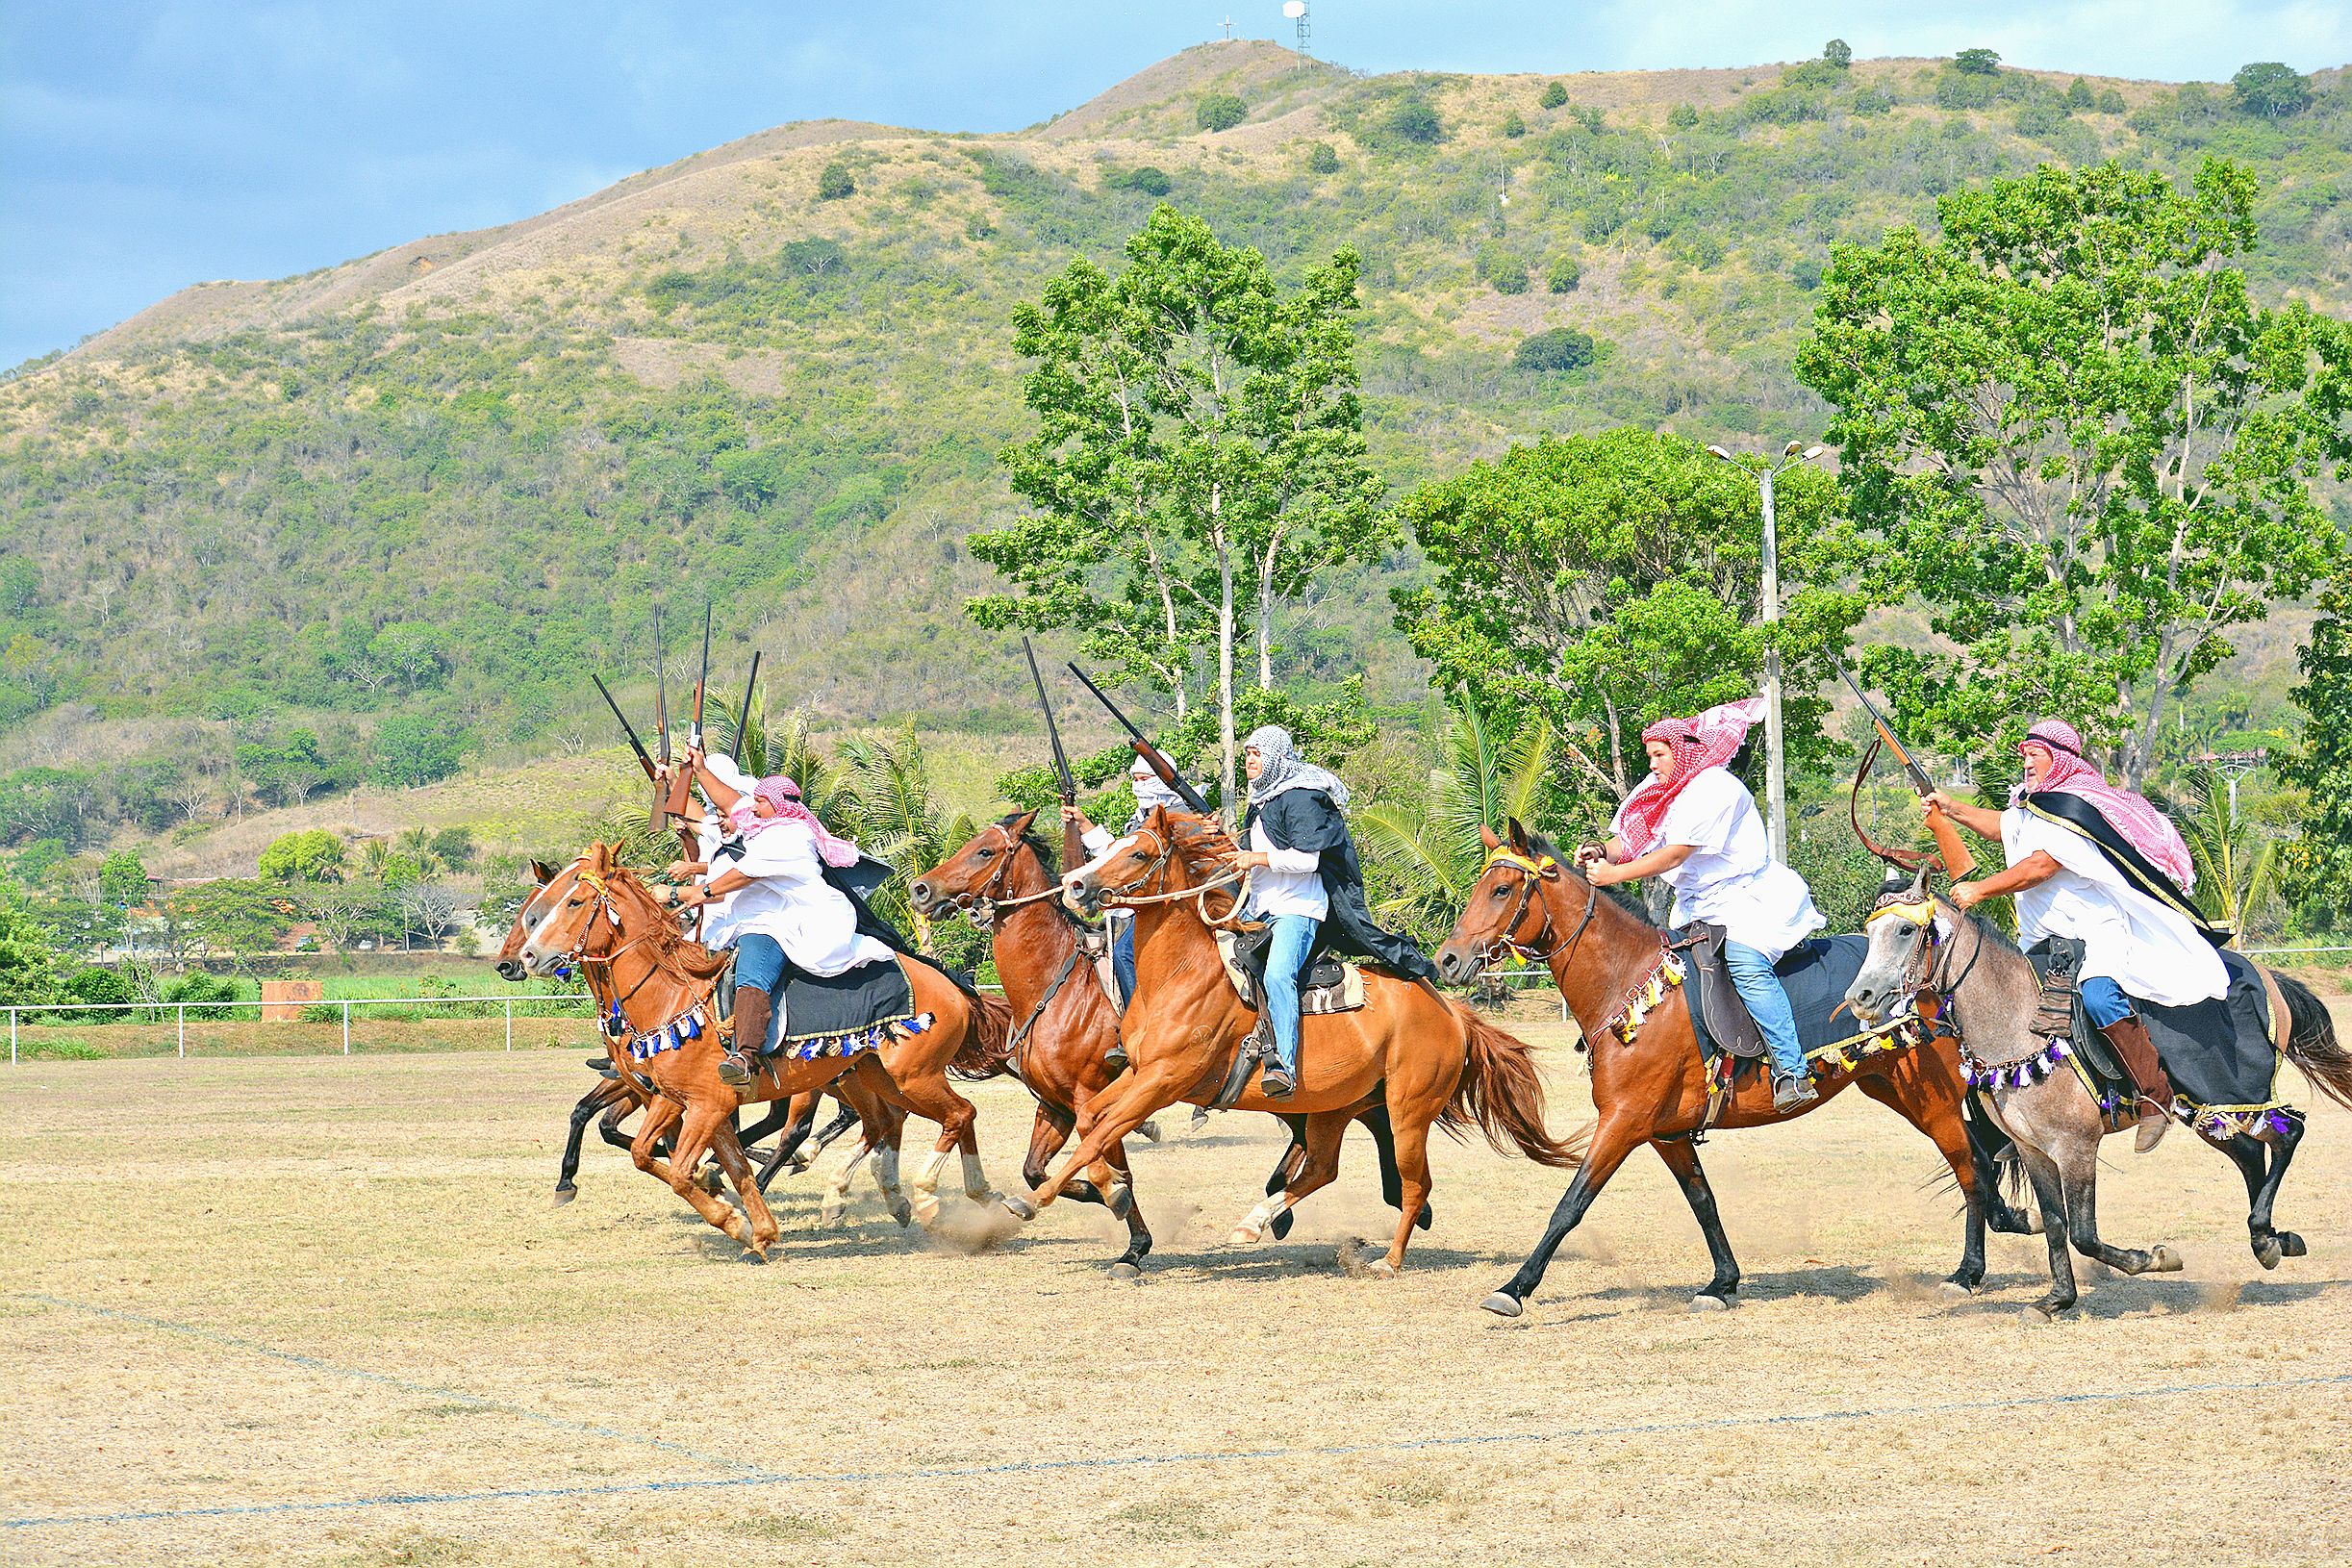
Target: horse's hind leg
<point>2264,1168</point>
<point>1681,1157</point>
<point>605,1093</point>
<point>727,1149</point>
<point>1323,1132</point>
<point>2079,1174</point>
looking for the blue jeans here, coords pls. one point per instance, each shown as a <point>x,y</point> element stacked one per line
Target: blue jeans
<point>1767,1002</point>
<point>1285,956</point>
<point>1122,961</point>
<point>759,960</point>
<point>2105,1001</point>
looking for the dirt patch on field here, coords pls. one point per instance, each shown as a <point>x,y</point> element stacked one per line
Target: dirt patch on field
<point>319,1312</point>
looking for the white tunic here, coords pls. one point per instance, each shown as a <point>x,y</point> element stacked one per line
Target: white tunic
<point>1289,883</point>
<point>789,899</point>
<point>718,915</point>
<point>1731,877</point>
<point>2153,953</point>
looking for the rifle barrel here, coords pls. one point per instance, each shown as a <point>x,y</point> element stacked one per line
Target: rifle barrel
<point>743,715</point>
<point>1053,734</point>
<point>703,679</point>
<point>627,728</point>
<point>1161,762</point>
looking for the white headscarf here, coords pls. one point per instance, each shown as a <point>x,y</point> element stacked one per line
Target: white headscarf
<point>1149,790</point>
<point>1282,769</point>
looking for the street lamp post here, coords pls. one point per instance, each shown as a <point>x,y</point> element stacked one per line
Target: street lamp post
<point>1776,771</point>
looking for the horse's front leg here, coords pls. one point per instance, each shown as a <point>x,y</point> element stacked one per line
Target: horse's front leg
<point>1107,1119</point>
<point>677,1175</point>
<point>1617,1136</point>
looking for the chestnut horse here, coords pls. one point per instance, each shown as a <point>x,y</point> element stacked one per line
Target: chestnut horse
<point>617,1096</point>
<point>1429,1060</point>
<point>601,918</point>
<point>1651,1088</point>
<point>1060,1048</point>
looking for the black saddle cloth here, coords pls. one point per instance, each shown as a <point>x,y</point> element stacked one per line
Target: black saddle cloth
<point>1816,973</point>
<point>826,1015</point>
<point>2219,1053</point>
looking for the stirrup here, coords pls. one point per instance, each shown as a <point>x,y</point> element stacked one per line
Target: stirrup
<point>735,1070</point>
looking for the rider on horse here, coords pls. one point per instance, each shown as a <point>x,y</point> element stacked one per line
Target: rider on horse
<point>2099,863</point>
<point>783,912</point>
<point>1694,825</point>
<point>1307,884</point>
<point>1149,791</point>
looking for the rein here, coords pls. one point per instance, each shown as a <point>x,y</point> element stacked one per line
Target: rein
<point>1547,869</point>
<point>982,906</point>
<point>1124,896</point>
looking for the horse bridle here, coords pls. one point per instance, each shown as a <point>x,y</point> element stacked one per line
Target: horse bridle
<point>580,955</point>
<point>1124,896</point>
<point>1928,957</point>
<point>1533,872</point>
<point>982,905</point>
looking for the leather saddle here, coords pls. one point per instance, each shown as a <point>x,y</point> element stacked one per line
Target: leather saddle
<point>1718,1012</point>
<point>1330,985</point>
<point>2058,1010</point>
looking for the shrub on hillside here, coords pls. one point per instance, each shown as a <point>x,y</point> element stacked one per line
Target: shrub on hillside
<point>411,750</point>
<point>1513,126</point>
<point>312,855</point>
<point>1564,273</point>
<point>1681,116</point>
<point>2111,102</point>
<point>1148,180</point>
<point>2079,97</point>
<point>836,182</point>
<point>1838,53</point>
<point>1501,271</point>
<point>1414,119</point>
<point>1220,111</point>
<point>2270,91</point>
<point>1555,352</point>
<point>1322,157</point>
<point>1553,95</point>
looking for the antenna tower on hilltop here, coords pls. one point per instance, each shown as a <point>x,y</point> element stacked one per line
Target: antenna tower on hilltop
<point>1296,11</point>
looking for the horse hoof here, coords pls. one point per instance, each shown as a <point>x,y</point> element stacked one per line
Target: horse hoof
<point>2291,1244</point>
<point>1123,1270</point>
<point>2269,1251</point>
<point>1244,1235</point>
<point>1018,1207</point>
<point>1503,1304</point>
<point>1380,1268</point>
<point>903,1212</point>
<point>1120,1200</point>
<point>563,1196</point>
<point>2163,1259</point>
<point>828,1216</point>
<point>1283,1223</point>
<point>1958,1287</point>
<point>1148,1131</point>
<point>1703,1302</point>
<point>2040,1311</point>
<point>757,1254</point>
<point>711,1181</point>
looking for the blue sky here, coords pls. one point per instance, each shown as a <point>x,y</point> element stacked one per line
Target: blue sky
<point>148,145</point>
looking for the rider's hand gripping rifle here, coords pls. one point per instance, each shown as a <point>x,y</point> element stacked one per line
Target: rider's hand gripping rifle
<point>1950,850</point>
<point>1144,750</point>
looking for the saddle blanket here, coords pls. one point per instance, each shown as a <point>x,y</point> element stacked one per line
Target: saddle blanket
<point>837,1015</point>
<point>1319,991</point>
<point>2222,1054</point>
<point>1816,973</point>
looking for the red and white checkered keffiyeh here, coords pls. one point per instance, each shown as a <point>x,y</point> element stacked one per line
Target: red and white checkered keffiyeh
<point>2145,828</point>
<point>1708,740</point>
<point>784,796</point>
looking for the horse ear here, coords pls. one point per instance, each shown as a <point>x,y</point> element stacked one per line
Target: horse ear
<point>1519,837</point>
<point>1022,825</point>
<point>1486,836</point>
<point>541,872</point>
<point>601,858</point>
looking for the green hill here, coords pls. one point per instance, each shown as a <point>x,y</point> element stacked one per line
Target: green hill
<point>438,484</point>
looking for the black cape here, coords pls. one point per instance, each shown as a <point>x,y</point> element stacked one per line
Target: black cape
<point>2079,815</point>
<point>1307,820</point>
<point>858,883</point>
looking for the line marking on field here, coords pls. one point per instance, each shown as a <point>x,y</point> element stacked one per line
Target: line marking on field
<point>1027,1467</point>
<point>455,1395</point>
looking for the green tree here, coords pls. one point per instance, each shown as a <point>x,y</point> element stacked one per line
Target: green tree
<point>1838,53</point>
<point>1502,270</point>
<point>412,749</point>
<point>1414,119</point>
<point>1199,457</point>
<point>2270,91</point>
<point>123,879</point>
<point>2079,97</point>
<point>1147,180</point>
<point>2092,447</point>
<point>1977,63</point>
<point>2111,102</point>
<point>1554,96</point>
<point>1513,126</point>
<point>2316,867</point>
<point>2236,861</point>
<point>1566,271</point>
<point>836,182</point>
<point>1682,116</point>
<point>1556,351</point>
<point>311,856</point>
<point>233,917</point>
<point>1322,157</point>
<point>1220,111</point>
<point>1430,851</point>
<point>1600,581</point>
<point>29,957</point>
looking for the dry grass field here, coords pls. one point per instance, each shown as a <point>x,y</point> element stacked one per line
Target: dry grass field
<point>319,1311</point>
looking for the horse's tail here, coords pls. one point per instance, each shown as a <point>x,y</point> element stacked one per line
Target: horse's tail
<point>2311,1040</point>
<point>1503,1095</point>
<point>987,1049</point>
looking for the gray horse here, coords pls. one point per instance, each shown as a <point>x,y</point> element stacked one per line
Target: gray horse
<point>1990,990</point>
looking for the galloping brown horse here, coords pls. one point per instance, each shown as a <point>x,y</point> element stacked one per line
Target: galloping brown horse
<point>1429,1060</point>
<point>600,918</point>
<point>1060,1048</point>
<point>1651,1088</point>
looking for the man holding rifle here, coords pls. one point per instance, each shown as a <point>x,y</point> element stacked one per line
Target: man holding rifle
<point>1150,792</point>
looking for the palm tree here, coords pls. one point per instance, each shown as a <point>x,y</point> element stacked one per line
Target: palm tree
<point>1433,858</point>
<point>889,797</point>
<point>2237,862</point>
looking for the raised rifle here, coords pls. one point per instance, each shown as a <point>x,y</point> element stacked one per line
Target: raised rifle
<point>1950,849</point>
<point>661,727</point>
<point>1074,844</point>
<point>1144,750</point>
<point>627,728</point>
<point>681,783</point>
<point>743,715</point>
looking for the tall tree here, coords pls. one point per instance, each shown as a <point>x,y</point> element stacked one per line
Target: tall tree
<point>2090,444</point>
<point>1430,851</point>
<point>1600,581</point>
<point>1199,456</point>
<point>2317,867</point>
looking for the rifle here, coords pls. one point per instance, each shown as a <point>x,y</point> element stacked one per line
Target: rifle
<point>682,782</point>
<point>743,715</point>
<point>1144,750</point>
<point>1073,848</point>
<point>1958,861</point>
<point>627,728</point>
<point>661,725</point>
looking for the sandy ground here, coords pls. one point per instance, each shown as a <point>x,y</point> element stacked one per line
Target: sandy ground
<point>319,1311</point>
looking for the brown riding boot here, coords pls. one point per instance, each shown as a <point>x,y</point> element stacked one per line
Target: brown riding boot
<point>752,1010</point>
<point>2130,1038</point>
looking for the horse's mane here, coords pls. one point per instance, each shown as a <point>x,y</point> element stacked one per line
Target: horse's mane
<point>1616,896</point>
<point>1046,855</point>
<point>1987,931</point>
<point>672,947</point>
